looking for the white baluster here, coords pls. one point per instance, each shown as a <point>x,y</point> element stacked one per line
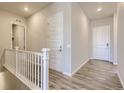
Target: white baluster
<point>16,60</point>
<point>28,65</point>
<point>41,66</point>
<point>21,63</point>
<point>32,68</point>
<point>38,70</point>
<point>24,64</point>
<point>35,69</point>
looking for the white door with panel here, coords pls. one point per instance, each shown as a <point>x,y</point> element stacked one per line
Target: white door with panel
<point>55,41</point>
<point>18,36</point>
<point>101,42</point>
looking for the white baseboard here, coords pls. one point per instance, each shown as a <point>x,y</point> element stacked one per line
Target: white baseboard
<point>68,74</point>
<point>104,60</point>
<point>120,79</point>
<point>80,67</point>
<point>71,74</point>
<point>91,58</point>
<point>115,63</point>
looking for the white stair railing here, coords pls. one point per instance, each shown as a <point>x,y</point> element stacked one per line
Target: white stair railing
<point>30,67</point>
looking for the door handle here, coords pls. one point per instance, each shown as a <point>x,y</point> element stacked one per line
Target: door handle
<point>107,44</point>
<point>60,48</point>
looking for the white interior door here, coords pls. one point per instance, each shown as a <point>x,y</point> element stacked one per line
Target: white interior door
<point>19,37</point>
<point>55,41</point>
<point>101,42</point>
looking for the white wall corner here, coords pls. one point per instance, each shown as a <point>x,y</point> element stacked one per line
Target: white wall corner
<point>80,66</point>
<point>120,79</point>
<point>71,74</point>
<point>115,38</point>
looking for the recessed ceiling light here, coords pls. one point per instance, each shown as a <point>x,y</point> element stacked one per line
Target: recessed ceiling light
<point>26,9</point>
<point>99,9</point>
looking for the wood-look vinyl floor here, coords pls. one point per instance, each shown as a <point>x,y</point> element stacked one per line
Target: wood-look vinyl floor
<point>94,75</point>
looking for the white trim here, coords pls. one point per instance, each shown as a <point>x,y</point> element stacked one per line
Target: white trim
<point>115,38</point>
<point>68,74</point>
<point>71,74</point>
<point>115,63</point>
<point>80,67</point>
<point>25,29</point>
<point>120,79</point>
<point>103,60</point>
<point>91,58</point>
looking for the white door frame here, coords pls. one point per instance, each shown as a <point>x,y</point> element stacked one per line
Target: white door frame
<point>109,34</point>
<point>115,39</point>
<point>20,24</point>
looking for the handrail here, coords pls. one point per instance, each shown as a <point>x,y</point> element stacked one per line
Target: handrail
<point>27,51</point>
<point>28,66</point>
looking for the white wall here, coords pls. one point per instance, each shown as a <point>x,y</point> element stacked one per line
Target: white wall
<point>36,36</point>
<point>37,28</point>
<point>80,32</point>
<point>120,38</point>
<point>106,21</point>
<point>76,33</point>
<point>6,19</point>
<point>115,37</point>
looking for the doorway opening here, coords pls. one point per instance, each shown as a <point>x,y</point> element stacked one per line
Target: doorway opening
<point>18,37</point>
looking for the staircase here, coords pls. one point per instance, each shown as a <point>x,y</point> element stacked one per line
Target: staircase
<point>9,82</point>
<point>29,67</point>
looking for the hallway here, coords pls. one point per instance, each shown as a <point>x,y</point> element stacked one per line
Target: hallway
<point>94,75</point>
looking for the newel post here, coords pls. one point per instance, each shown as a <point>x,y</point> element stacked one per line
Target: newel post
<point>45,52</point>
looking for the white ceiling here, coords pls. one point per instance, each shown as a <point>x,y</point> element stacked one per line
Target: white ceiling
<point>88,7</point>
<point>18,8</point>
<point>108,8</point>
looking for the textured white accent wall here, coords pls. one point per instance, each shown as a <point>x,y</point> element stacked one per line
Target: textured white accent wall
<point>37,28</point>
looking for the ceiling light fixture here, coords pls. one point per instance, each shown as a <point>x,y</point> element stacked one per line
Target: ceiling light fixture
<point>99,9</point>
<point>26,9</point>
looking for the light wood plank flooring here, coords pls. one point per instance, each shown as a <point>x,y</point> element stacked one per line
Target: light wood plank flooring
<point>94,75</point>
